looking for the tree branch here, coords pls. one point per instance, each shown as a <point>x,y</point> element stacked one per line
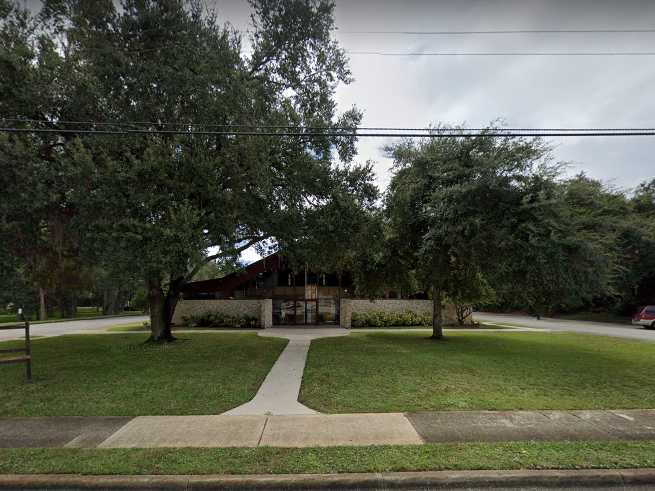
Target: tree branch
<point>238,250</point>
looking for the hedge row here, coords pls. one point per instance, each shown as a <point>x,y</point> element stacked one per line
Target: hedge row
<point>219,319</point>
<point>391,319</point>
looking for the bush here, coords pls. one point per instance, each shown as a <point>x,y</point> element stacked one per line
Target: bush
<point>220,319</point>
<point>391,319</point>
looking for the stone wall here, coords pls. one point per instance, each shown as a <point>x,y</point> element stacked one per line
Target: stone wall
<point>359,306</point>
<point>260,308</point>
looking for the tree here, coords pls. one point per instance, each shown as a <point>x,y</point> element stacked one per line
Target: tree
<point>219,268</point>
<point>636,283</point>
<point>488,209</point>
<point>337,234</point>
<point>620,230</point>
<point>154,204</point>
<point>469,288</point>
<point>39,171</point>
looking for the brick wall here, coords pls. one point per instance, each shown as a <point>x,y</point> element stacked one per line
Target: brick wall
<point>260,308</point>
<point>358,306</point>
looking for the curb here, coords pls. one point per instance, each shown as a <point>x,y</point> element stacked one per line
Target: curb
<point>393,480</point>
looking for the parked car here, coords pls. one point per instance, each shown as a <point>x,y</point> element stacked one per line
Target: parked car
<point>645,317</point>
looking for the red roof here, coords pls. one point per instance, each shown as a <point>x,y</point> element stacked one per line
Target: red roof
<point>227,284</point>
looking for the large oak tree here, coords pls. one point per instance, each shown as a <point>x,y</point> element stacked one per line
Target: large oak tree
<point>154,202</point>
<point>491,210</point>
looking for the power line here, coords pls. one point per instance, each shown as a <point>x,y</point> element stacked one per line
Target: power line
<point>190,124</point>
<point>506,31</point>
<point>505,53</point>
<point>437,133</point>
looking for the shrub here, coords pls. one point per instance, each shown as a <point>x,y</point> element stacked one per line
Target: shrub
<point>220,319</point>
<point>391,319</point>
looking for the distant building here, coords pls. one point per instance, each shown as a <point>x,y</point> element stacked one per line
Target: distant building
<point>272,291</point>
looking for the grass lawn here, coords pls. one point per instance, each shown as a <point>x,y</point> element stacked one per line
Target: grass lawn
<point>270,460</point>
<point>405,371</point>
<point>118,375</point>
<point>139,327</point>
<point>455,327</point>
<point>132,327</point>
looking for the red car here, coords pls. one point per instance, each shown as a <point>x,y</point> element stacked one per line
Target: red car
<point>645,317</point>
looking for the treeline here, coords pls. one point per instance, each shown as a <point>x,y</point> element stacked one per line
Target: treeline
<point>619,225</point>
<point>495,223</point>
<point>88,216</point>
<point>60,288</point>
<point>86,211</point>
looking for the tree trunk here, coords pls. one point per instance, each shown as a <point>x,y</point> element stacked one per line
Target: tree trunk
<point>462,312</point>
<point>338,309</point>
<point>160,325</point>
<point>68,305</point>
<point>108,301</point>
<point>43,311</point>
<point>113,301</point>
<point>437,316</point>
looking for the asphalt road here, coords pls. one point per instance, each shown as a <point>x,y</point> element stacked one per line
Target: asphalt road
<point>600,328</point>
<point>71,327</point>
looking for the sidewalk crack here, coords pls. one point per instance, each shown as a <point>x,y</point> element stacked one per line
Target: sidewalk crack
<point>263,430</point>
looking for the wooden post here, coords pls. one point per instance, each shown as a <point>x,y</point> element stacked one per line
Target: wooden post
<point>28,352</point>
<point>25,352</point>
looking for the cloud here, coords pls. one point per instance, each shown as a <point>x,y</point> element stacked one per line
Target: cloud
<point>526,91</point>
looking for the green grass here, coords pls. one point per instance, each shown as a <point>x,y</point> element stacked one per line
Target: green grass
<point>107,375</point>
<point>405,371</point>
<point>139,327</point>
<point>5,318</point>
<point>132,327</point>
<point>270,460</point>
<point>455,327</point>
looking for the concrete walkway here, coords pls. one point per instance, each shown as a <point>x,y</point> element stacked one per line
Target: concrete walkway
<point>326,430</point>
<point>314,430</point>
<point>278,394</point>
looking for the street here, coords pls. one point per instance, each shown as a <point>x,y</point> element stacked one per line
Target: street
<point>71,327</point>
<point>600,328</point>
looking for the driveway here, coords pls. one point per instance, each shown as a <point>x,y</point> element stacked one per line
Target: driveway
<point>600,328</point>
<point>71,327</point>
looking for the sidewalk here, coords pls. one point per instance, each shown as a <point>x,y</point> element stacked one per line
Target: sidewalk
<point>327,430</point>
<point>278,393</point>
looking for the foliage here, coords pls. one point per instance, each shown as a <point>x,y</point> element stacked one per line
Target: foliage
<point>469,213</point>
<point>153,205</point>
<point>469,288</point>
<point>390,319</point>
<point>217,269</point>
<point>619,232</point>
<point>339,235</point>
<point>221,319</point>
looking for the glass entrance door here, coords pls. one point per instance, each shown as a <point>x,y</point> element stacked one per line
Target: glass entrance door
<point>327,310</point>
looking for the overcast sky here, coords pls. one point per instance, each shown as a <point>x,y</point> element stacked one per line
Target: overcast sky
<point>525,91</point>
